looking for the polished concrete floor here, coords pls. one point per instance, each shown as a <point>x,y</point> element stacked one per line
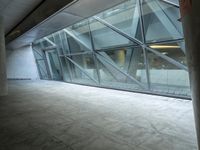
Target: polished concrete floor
<point>48,115</point>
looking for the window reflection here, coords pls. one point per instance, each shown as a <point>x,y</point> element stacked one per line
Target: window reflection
<point>93,52</point>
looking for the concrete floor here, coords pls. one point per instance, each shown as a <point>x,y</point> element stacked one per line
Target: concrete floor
<point>48,115</point>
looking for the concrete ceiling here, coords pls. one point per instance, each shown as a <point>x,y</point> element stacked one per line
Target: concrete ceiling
<point>14,11</point>
<point>42,12</point>
<point>71,14</point>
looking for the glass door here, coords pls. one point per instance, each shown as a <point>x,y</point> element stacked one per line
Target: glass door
<point>54,64</point>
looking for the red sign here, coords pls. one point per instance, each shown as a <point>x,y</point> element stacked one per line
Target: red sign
<point>185,7</point>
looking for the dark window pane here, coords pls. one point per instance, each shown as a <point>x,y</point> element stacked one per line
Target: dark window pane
<point>104,37</point>
<point>79,37</point>
<point>173,50</point>
<point>161,21</point>
<point>166,77</point>
<point>125,17</point>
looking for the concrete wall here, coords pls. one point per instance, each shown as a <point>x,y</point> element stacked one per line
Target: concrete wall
<point>21,64</point>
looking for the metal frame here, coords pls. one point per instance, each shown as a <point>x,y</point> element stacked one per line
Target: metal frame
<point>82,69</point>
<point>45,60</point>
<point>170,3</point>
<point>179,65</point>
<point>139,5</point>
<point>94,54</point>
<point>121,71</point>
<point>57,52</point>
<point>135,43</point>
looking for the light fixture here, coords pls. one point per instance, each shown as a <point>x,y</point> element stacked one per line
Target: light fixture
<point>164,46</point>
<point>164,53</point>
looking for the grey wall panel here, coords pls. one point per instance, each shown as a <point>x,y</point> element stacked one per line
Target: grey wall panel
<point>21,64</point>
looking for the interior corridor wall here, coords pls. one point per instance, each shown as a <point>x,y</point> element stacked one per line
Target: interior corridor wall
<point>21,64</point>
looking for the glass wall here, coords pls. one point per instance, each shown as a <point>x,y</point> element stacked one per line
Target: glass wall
<point>136,46</point>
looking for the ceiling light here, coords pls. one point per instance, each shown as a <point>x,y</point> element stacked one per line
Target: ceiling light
<point>164,53</point>
<point>164,46</point>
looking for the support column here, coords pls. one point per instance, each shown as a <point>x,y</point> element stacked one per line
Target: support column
<point>191,25</point>
<point>3,77</point>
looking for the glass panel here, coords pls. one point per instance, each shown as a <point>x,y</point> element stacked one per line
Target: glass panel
<point>125,17</point>
<point>37,51</point>
<point>58,43</point>
<point>173,50</point>
<point>111,76</point>
<point>173,13</point>
<point>118,62</point>
<point>106,75</point>
<point>137,67</point>
<point>120,57</point>
<point>65,69</point>
<point>38,54</point>
<point>51,38</point>
<point>87,63</point>
<point>167,78</point>
<point>83,69</point>
<point>79,37</point>
<point>36,46</point>
<point>105,37</point>
<point>174,1</point>
<point>45,43</point>
<point>129,60</point>
<point>42,69</point>
<point>161,21</point>
<point>64,42</point>
<point>54,65</point>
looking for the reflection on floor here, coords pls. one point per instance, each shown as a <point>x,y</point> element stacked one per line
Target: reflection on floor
<point>48,115</point>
